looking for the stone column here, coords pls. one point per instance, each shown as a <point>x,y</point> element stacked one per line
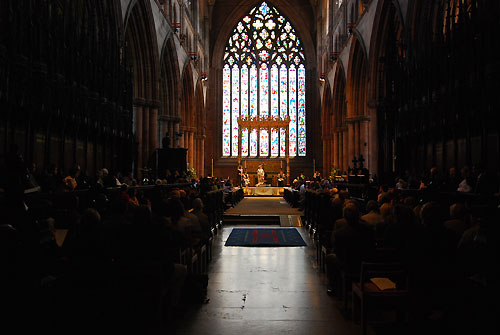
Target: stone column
<point>345,150</point>
<point>364,139</point>
<point>201,150</point>
<point>336,150</point>
<point>191,149</point>
<point>176,130</point>
<point>171,133</point>
<point>351,150</point>
<point>145,135</point>
<point>356,139</point>
<point>139,140</point>
<point>153,125</point>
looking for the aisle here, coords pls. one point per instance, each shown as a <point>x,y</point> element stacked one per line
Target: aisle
<point>265,291</point>
<point>263,206</point>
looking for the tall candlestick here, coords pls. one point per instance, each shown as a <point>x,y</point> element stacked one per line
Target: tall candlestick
<point>314,165</point>
<point>212,167</point>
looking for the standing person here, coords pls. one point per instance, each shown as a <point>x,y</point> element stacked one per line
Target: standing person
<point>239,176</point>
<point>260,175</point>
<point>281,178</point>
<point>246,179</point>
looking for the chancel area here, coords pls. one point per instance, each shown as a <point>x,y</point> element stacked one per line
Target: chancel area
<point>254,166</point>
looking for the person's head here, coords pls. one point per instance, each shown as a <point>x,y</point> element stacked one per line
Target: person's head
<point>453,171</point>
<point>175,209</point>
<point>142,215</point>
<point>372,206</point>
<point>410,201</point>
<point>175,194</point>
<point>402,214</point>
<point>385,210</point>
<point>197,204</point>
<point>105,172</point>
<point>351,213</point>
<point>432,215</point>
<point>89,220</point>
<point>457,211</point>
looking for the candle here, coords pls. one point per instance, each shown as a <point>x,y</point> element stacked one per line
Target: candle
<point>212,167</point>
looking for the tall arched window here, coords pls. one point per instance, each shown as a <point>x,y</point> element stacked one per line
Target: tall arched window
<point>264,74</point>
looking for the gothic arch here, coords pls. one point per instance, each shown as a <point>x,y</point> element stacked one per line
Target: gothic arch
<point>301,21</point>
<point>387,48</point>
<point>142,57</point>
<point>326,126</point>
<point>169,117</point>
<point>339,116</point>
<point>188,113</point>
<point>357,83</point>
<point>200,124</point>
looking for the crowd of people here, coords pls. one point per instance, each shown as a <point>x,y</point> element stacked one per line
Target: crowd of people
<point>55,243</point>
<point>445,243</point>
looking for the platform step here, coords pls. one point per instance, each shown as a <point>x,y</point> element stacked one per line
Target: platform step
<point>251,219</point>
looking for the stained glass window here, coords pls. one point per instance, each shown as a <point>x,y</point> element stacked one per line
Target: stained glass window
<point>264,74</point>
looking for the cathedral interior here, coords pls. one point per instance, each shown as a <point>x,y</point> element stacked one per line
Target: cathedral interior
<point>385,93</point>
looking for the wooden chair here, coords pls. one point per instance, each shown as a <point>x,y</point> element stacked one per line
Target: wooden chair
<point>367,294</point>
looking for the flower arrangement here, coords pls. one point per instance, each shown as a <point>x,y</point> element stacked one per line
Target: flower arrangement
<point>333,174</point>
<point>191,173</point>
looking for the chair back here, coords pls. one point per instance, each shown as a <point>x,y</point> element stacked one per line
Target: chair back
<point>396,272</point>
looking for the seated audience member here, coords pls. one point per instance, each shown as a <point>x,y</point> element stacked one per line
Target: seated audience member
<point>410,202</point>
<point>372,216</point>
<point>87,249</point>
<point>438,253</point>
<point>466,185</point>
<point>132,194</point>
<point>476,256</point>
<point>452,180</point>
<point>404,234</point>
<point>352,243</point>
<point>385,212</point>
<point>457,219</point>
<point>206,231</point>
<point>69,181</point>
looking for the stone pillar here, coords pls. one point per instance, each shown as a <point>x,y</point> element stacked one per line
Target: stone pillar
<point>139,140</point>
<point>372,149</point>
<point>181,139</point>
<point>171,131</point>
<point>153,125</point>
<point>356,139</point>
<point>145,135</point>
<point>336,150</point>
<point>345,150</point>
<point>364,139</point>
<point>191,149</point>
<point>176,130</point>
<point>351,150</point>
<point>201,150</point>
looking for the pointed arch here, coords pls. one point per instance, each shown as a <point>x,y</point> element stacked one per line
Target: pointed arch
<point>326,126</point>
<point>339,115</point>
<point>200,125</point>
<point>387,40</point>
<point>142,57</point>
<point>357,122</point>
<point>264,75</point>
<point>187,113</point>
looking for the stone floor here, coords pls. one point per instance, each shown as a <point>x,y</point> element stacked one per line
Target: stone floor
<point>266,291</point>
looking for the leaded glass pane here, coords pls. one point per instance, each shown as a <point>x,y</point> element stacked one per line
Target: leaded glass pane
<point>264,74</point>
